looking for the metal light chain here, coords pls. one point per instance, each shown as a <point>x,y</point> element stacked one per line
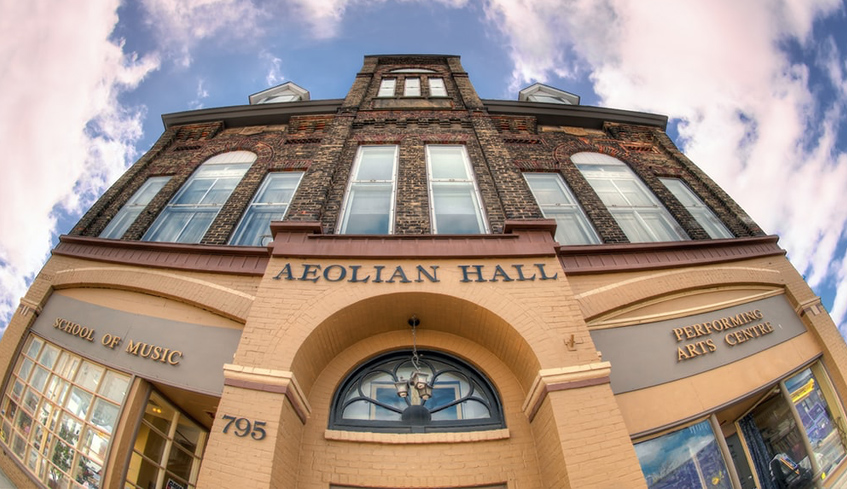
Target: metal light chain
<point>415,357</point>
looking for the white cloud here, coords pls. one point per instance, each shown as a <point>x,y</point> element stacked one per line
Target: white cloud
<point>274,76</point>
<point>179,25</point>
<point>201,93</point>
<point>745,109</point>
<point>64,135</point>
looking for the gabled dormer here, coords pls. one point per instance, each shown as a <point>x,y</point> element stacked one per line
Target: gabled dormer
<point>546,94</point>
<point>287,92</point>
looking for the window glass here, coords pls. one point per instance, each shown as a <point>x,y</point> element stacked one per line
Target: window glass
<point>269,204</point>
<point>688,458</point>
<point>460,398</point>
<point>167,450</point>
<point>454,199</point>
<point>60,435</point>
<point>412,87</point>
<point>369,205</point>
<point>817,418</point>
<point>698,209</point>
<point>557,202</point>
<point>386,87</point>
<point>436,87</point>
<point>189,214</point>
<point>637,211</point>
<point>130,211</point>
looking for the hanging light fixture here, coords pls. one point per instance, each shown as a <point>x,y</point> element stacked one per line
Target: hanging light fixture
<point>417,388</point>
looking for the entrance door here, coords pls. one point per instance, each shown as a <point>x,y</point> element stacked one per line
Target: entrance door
<point>776,445</point>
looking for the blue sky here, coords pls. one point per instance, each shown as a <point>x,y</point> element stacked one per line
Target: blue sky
<point>756,92</point>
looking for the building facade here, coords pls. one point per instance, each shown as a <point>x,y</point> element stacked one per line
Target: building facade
<point>415,287</point>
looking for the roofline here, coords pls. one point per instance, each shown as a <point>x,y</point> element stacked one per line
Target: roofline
<point>574,115</point>
<point>546,114</point>
<point>252,115</point>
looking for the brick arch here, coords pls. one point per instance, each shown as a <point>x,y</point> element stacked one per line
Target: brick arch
<point>563,151</point>
<point>388,314</point>
<point>663,283</point>
<point>226,302</point>
<point>264,152</point>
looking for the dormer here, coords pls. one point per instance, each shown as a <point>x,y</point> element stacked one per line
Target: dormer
<point>287,92</point>
<point>543,93</point>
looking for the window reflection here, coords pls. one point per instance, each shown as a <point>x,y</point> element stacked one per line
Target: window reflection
<point>461,398</point>
<point>688,458</point>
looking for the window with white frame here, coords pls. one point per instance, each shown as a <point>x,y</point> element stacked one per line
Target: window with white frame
<point>412,87</point>
<point>636,210</point>
<point>59,414</point>
<point>436,87</point>
<point>454,199</point>
<point>369,205</point>
<point>269,204</point>
<point>168,448</point>
<point>387,87</point>
<point>133,207</point>
<point>557,202</point>
<point>189,214</point>
<point>697,208</point>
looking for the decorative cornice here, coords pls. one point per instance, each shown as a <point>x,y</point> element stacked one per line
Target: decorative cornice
<point>267,380</point>
<point>523,239</point>
<point>565,378</point>
<point>648,256</point>
<point>239,260</point>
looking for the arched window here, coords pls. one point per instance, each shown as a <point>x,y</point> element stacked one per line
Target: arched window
<point>189,214</point>
<point>637,211</point>
<point>460,398</point>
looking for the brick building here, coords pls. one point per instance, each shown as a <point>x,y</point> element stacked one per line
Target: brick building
<point>414,287</point>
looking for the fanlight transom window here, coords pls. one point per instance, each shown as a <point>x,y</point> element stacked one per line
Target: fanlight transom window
<point>462,399</point>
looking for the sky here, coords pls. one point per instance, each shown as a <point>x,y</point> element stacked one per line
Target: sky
<point>756,92</point>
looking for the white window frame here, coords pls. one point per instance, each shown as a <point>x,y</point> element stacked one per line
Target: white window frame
<point>412,87</point>
<point>244,234</point>
<point>437,87</point>
<point>468,182</point>
<point>642,222</point>
<point>387,87</point>
<point>697,208</point>
<point>224,168</point>
<point>355,184</point>
<point>561,209</point>
<point>133,207</point>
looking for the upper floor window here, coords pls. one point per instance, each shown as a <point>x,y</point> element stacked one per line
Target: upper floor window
<point>637,211</point>
<point>387,87</point>
<point>453,196</point>
<point>697,208</point>
<point>557,202</point>
<point>133,207</point>
<point>412,87</point>
<point>286,92</point>
<point>189,214</point>
<point>542,93</point>
<point>369,205</point>
<point>269,204</point>
<point>457,397</point>
<point>436,87</point>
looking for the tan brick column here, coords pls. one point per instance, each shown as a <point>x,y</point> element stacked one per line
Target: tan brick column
<point>266,457</point>
<point>581,438</point>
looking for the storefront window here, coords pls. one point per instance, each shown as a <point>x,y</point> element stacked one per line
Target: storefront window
<point>168,448</point>
<point>688,458</point>
<point>817,419</point>
<point>58,414</point>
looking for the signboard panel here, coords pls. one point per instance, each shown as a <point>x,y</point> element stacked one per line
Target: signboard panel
<point>650,354</point>
<point>185,355</point>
